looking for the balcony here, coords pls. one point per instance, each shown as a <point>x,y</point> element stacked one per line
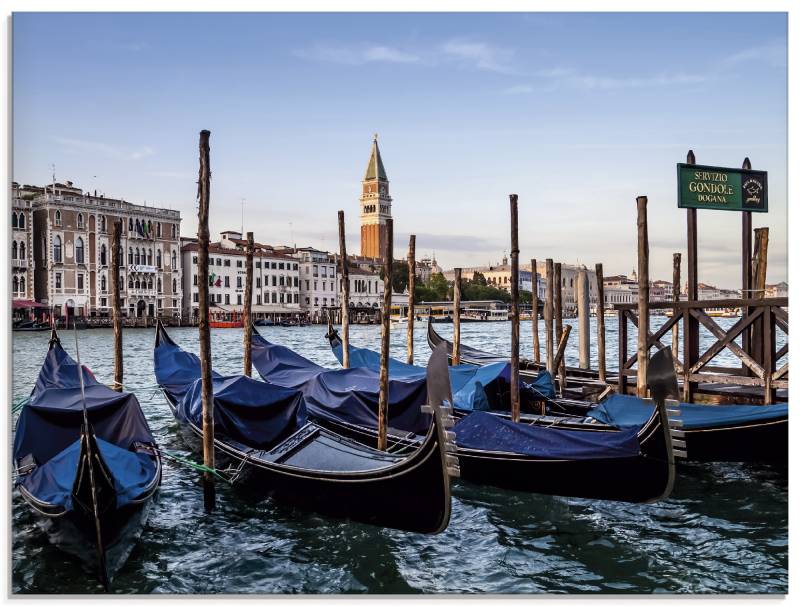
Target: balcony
<point>19,263</point>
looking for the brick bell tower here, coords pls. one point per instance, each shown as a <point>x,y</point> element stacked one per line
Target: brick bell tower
<point>376,205</point>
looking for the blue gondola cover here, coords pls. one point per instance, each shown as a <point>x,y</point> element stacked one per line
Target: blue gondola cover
<point>349,395</point>
<point>49,426</point>
<point>630,411</point>
<point>485,431</point>
<point>245,410</point>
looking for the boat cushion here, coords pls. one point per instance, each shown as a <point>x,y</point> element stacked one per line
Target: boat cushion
<point>630,411</point>
<point>52,482</point>
<point>484,431</point>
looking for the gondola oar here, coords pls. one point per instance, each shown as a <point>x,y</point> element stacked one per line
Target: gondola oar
<point>663,383</point>
<point>90,455</point>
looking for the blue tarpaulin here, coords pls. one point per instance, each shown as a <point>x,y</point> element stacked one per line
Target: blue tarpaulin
<point>349,395</point>
<point>485,431</point>
<point>48,429</point>
<point>630,411</point>
<point>245,410</point>
<point>473,387</point>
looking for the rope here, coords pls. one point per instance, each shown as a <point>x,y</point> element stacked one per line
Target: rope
<point>191,464</point>
<point>20,404</point>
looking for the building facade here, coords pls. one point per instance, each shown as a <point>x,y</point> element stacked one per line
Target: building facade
<point>366,288</point>
<point>317,282</point>
<point>72,254</point>
<point>376,205</point>
<point>22,262</point>
<point>276,279</point>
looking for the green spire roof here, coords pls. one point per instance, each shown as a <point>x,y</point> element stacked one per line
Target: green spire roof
<point>375,168</point>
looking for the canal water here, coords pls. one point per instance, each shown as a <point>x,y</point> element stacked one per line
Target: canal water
<point>723,530</point>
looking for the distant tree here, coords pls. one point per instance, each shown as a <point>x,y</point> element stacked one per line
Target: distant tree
<point>438,286</point>
<point>399,276</point>
<point>479,279</point>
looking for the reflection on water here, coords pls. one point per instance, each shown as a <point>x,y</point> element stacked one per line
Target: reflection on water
<point>723,530</point>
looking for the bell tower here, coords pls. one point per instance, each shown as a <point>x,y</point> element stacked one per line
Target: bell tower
<point>376,205</point>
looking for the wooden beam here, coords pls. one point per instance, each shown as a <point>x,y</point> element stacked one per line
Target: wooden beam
<point>247,321</point>
<point>535,312</point>
<point>558,310</point>
<point>729,336</point>
<point>622,350</point>
<point>643,256</point>
<point>412,280</point>
<point>116,311</point>
<point>514,308</point>
<point>562,345</point>
<point>345,292</point>
<point>601,324</point>
<point>548,316</point>
<point>719,333</point>
<point>582,293</point>
<point>383,396</point>
<point>676,297</point>
<point>691,330</point>
<point>456,357</point>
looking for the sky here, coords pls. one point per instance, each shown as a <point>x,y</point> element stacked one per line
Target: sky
<point>576,113</point>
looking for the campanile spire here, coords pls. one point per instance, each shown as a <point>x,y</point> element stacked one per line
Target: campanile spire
<point>376,204</point>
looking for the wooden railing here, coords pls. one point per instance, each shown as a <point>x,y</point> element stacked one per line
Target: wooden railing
<point>759,364</point>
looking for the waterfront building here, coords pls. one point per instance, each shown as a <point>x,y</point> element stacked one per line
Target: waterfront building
<point>376,205</point>
<point>22,263</point>
<point>276,279</point>
<point>318,283</point>
<point>426,268</point>
<point>72,254</point>
<point>781,289</point>
<point>366,288</point>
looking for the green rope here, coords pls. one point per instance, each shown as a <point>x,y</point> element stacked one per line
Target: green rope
<point>196,466</point>
<point>19,404</point>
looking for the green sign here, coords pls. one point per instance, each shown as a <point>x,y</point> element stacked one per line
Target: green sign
<point>722,188</point>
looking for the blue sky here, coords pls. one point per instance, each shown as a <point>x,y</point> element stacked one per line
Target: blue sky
<point>576,113</point>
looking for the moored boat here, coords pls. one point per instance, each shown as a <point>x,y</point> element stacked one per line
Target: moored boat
<point>86,463</point>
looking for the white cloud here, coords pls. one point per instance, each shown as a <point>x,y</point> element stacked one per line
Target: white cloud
<point>104,149</point>
<point>607,83</point>
<point>479,55</point>
<point>520,89</point>
<point>773,53</point>
<point>357,56</point>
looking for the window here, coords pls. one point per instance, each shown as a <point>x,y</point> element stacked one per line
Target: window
<point>195,297</point>
<point>227,299</point>
<point>219,262</point>
<point>130,224</point>
<point>295,297</point>
<point>294,267</point>
<point>57,251</point>
<point>315,285</point>
<point>79,251</point>
<point>58,217</point>
<point>258,264</point>
<point>138,256</point>
<point>22,250</point>
<point>102,283</point>
<point>282,301</point>
<point>296,283</point>
<point>238,263</point>
<point>194,260</point>
<point>258,299</point>
<point>130,256</point>
<point>14,224</point>
<point>159,284</point>
<point>158,229</point>
<point>238,281</point>
<point>130,282</point>
<point>227,281</point>
<point>80,282</point>
<point>150,284</point>
<point>227,262</point>
<point>307,285</point>
<point>149,228</point>
<point>323,286</point>
<point>238,299</point>
<point>281,281</point>
<point>22,226</point>
<point>174,286</point>
<point>274,265</point>
<point>14,249</point>
<point>174,261</point>
<point>149,256</point>
<point>102,254</point>
<point>194,281</point>
<point>274,280</point>
<point>138,227</point>
<point>174,231</point>
<point>15,285</point>
<point>58,280</point>
<point>102,223</point>
<point>258,282</point>
<point>280,265</point>
<point>80,220</point>
<point>138,284</point>
<point>158,257</point>
<point>174,302</point>
<point>274,297</point>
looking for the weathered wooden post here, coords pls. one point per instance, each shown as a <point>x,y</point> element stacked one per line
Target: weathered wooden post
<point>116,312</point>
<point>412,276</point>
<point>583,318</point>
<point>747,262</point>
<point>204,195</point>
<point>514,308</point>
<point>601,324</point>
<point>537,357</point>
<point>345,293</point>
<point>247,322</point>
<point>691,326</point>
<point>548,317</point>
<point>643,255</point>
<point>562,345</point>
<point>758,283</point>
<point>383,397</point>
<point>558,309</point>
<point>676,297</point>
<point>456,357</point>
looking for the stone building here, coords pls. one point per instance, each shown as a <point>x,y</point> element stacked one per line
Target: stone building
<point>22,263</point>
<point>376,205</point>
<point>317,282</point>
<point>72,254</point>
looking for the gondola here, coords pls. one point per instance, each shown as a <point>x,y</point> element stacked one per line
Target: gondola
<point>633,465</point>
<point>713,433</point>
<point>86,464</point>
<point>264,429</point>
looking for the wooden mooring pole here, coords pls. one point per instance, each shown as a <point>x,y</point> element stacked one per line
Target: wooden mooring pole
<point>514,308</point>
<point>583,318</point>
<point>691,327</point>
<point>412,276</point>
<point>383,397</point>
<point>601,324</point>
<point>116,312</point>
<point>548,317</point>
<point>643,255</point>
<point>758,284</point>
<point>537,356</point>
<point>203,195</point>
<point>558,309</point>
<point>676,297</point>
<point>562,345</point>
<point>747,262</point>
<point>345,293</point>
<point>456,357</point>
<point>247,322</point>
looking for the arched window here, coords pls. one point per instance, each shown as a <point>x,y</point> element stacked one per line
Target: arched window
<point>57,249</point>
<point>130,225</point>
<point>174,286</point>
<point>138,283</point>
<point>58,217</point>
<point>102,254</point>
<point>130,256</point>
<point>149,228</point>
<point>149,256</point>
<point>103,283</point>
<point>138,228</point>
<point>14,249</point>
<point>174,260</point>
<point>158,257</point>
<point>120,256</point>
<point>79,251</point>
<point>22,285</point>
<point>22,250</point>
<point>80,220</point>
<point>150,284</point>
<point>102,223</point>
<point>15,287</point>
<point>159,285</point>
<point>137,257</point>
<point>22,220</point>
<point>14,224</point>
<point>158,229</point>
<point>130,282</point>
